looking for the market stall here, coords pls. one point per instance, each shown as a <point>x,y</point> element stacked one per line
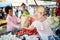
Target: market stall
<point>2,17</point>
<point>16,34</point>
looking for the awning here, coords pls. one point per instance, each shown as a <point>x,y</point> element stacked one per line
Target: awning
<point>4,5</point>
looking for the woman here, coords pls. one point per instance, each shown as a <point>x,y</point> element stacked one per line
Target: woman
<point>24,16</point>
<point>11,20</point>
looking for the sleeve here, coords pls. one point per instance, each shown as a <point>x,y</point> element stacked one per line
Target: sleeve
<point>12,24</point>
<point>38,25</point>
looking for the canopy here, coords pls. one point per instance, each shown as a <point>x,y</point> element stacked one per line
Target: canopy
<point>6,4</point>
<point>49,4</point>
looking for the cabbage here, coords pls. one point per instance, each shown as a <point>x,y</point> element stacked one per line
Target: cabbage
<point>9,37</point>
<point>54,22</point>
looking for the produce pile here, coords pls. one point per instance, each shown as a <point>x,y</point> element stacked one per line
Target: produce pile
<point>54,22</point>
<point>13,37</point>
<point>9,37</point>
<point>2,22</point>
<point>33,37</point>
<point>28,32</point>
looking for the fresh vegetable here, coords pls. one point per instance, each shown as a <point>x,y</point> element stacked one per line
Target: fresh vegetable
<point>25,13</point>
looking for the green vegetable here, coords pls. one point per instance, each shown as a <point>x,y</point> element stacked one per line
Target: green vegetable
<point>25,13</point>
<point>54,22</point>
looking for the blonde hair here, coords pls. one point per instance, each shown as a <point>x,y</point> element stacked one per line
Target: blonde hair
<point>41,9</point>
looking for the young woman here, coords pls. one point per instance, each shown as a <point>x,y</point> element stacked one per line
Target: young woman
<point>24,16</point>
<point>42,24</point>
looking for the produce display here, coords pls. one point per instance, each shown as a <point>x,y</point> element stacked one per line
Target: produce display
<point>13,37</point>
<point>28,32</point>
<point>2,22</point>
<point>33,37</point>
<point>54,22</point>
<point>3,26</point>
<point>26,20</point>
<point>9,37</point>
<point>3,29</point>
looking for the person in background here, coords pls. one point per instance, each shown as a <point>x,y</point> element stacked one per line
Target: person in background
<point>58,9</point>
<point>32,10</point>
<point>48,11</point>
<point>16,13</point>
<point>11,20</point>
<point>58,13</point>
<point>23,6</point>
<point>2,16</point>
<point>24,16</point>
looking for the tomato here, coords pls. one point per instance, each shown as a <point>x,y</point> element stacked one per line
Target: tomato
<point>31,20</point>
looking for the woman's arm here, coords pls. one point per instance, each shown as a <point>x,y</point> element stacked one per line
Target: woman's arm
<point>30,27</point>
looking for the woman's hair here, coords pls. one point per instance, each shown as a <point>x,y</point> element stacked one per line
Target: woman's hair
<point>7,8</point>
<point>41,9</point>
<point>23,4</point>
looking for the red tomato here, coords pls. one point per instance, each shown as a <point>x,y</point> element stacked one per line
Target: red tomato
<point>28,32</point>
<point>31,20</point>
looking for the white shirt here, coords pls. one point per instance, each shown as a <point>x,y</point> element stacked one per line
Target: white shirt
<point>43,27</point>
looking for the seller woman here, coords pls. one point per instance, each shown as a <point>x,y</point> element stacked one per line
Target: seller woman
<point>11,20</point>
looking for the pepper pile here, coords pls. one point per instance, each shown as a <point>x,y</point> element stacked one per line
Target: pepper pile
<point>28,32</point>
